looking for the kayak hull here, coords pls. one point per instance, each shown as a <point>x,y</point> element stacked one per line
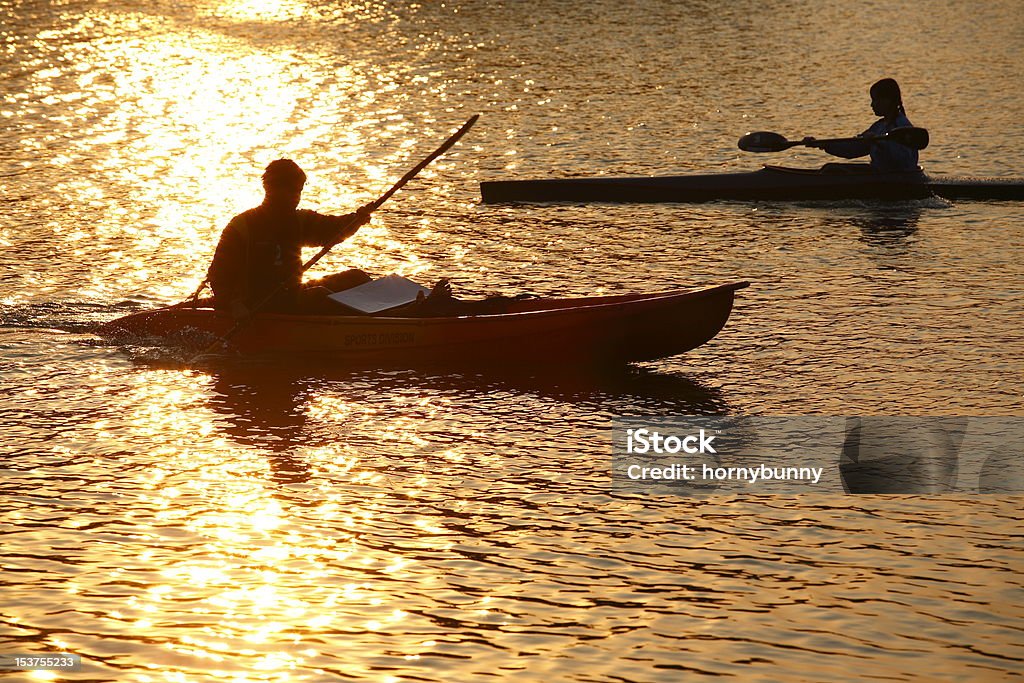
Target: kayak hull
<point>771,183</point>
<point>602,330</point>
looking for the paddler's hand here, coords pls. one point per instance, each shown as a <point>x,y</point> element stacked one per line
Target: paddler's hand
<point>442,290</point>
<point>360,218</point>
<point>363,215</point>
<point>811,142</point>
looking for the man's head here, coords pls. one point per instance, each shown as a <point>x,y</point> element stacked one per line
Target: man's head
<point>283,181</point>
<point>886,99</point>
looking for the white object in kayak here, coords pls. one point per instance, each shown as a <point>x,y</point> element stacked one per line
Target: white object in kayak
<point>380,295</point>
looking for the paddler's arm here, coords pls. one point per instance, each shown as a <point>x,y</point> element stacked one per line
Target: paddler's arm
<point>229,271</point>
<point>319,230</point>
<point>851,149</point>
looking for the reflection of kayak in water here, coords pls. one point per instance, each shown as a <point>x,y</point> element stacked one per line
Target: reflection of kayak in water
<point>771,183</point>
<point>606,329</point>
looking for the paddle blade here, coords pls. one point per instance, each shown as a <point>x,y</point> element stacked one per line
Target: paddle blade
<point>915,138</point>
<point>763,141</point>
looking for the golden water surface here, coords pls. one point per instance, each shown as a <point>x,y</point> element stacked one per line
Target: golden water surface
<point>297,522</point>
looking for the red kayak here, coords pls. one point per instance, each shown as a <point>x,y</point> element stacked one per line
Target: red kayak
<point>606,329</point>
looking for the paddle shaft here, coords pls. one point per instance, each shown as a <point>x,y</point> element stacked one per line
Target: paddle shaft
<point>913,137</point>
<point>397,186</point>
<point>829,141</point>
<point>341,234</point>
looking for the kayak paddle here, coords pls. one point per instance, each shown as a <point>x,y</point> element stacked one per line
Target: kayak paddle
<point>241,324</point>
<point>406,178</point>
<point>763,141</point>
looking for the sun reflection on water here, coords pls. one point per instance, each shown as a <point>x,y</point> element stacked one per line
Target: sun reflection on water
<point>258,578</point>
<point>261,10</point>
<point>182,119</point>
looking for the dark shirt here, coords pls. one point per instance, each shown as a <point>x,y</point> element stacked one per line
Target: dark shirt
<point>260,253</point>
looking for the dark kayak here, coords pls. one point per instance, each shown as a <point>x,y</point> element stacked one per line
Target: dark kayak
<point>591,330</point>
<point>830,182</point>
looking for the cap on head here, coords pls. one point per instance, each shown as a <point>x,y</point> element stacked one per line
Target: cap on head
<point>283,172</point>
<point>887,88</point>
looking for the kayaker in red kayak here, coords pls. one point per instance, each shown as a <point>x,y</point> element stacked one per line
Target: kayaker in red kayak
<point>886,155</point>
<point>260,251</point>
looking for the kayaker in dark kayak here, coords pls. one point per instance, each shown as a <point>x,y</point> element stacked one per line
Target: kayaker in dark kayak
<point>260,251</point>
<point>886,155</point>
